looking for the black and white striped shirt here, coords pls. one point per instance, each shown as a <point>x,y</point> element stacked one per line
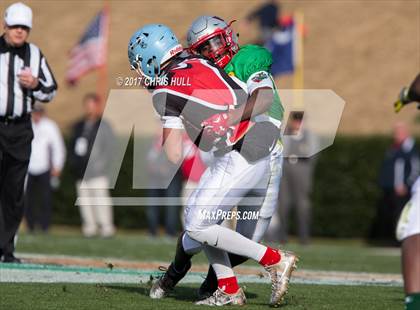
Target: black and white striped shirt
<point>16,101</point>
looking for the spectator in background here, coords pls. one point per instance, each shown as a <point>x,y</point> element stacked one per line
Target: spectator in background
<point>92,183</point>
<point>296,183</point>
<point>45,165</point>
<point>267,16</point>
<point>399,170</point>
<point>160,172</point>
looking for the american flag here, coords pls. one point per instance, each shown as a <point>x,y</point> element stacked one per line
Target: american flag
<point>91,50</point>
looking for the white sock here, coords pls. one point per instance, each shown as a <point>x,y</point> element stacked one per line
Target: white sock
<point>220,261</point>
<point>229,241</point>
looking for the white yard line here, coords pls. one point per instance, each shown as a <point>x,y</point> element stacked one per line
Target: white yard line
<point>89,270</point>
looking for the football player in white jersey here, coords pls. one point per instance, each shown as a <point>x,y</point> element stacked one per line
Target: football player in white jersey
<point>408,228</point>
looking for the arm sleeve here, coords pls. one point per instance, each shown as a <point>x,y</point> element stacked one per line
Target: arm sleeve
<point>172,122</point>
<point>47,86</point>
<point>57,147</point>
<point>168,109</point>
<point>258,80</point>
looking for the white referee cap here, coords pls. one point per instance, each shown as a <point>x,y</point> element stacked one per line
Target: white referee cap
<point>18,14</point>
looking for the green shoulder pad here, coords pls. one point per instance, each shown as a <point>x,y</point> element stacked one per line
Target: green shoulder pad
<point>249,59</point>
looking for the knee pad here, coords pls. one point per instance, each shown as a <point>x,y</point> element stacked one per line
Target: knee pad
<point>208,235</point>
<point>190,245</point>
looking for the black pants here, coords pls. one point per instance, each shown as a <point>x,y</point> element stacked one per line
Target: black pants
<point>15,150</point>
<point>38,201</point>
<point>387,214</point>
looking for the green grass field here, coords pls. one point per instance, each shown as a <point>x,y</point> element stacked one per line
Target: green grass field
<point>84,296</point>
<point>341,255</point>
<point>326,255</point>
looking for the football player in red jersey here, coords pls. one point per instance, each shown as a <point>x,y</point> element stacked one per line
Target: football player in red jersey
<point>241,158</point>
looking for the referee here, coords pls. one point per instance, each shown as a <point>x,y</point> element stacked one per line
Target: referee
<point>24,78</point>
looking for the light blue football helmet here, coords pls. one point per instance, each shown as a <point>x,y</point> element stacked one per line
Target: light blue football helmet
<point>150,47</point>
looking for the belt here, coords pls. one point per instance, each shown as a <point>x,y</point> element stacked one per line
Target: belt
<point>14,120</point>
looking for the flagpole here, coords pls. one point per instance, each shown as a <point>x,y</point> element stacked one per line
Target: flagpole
<point>102,82</point>
<point>298,76</point>
<point>102,78</point>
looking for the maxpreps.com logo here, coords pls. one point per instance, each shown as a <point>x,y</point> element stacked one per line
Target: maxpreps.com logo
<point>221,215</point>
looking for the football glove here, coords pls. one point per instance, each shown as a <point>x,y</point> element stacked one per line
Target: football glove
<point>402,100</point>
<point>217,124</point>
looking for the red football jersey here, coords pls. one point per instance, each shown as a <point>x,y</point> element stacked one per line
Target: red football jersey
<point>194,89</point>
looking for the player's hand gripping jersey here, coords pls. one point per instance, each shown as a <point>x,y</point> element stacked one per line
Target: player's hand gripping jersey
<point>197,89</point>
